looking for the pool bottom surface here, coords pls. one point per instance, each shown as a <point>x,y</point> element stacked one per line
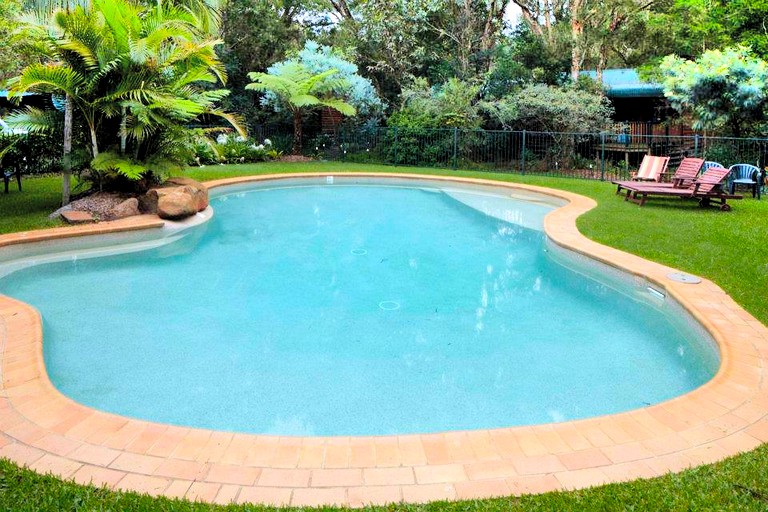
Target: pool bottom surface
<point>353,311</point>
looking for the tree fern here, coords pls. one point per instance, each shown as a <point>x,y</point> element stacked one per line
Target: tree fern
<point>300,90</point>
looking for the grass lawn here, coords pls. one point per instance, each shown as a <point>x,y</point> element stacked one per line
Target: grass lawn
<point>730,248</point>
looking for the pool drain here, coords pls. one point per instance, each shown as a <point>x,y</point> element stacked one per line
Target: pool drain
<point>389,305</point>
<point>358,252</point>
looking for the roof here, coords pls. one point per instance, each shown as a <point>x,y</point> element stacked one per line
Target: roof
<point>626,83</point>
<point>4,93</point>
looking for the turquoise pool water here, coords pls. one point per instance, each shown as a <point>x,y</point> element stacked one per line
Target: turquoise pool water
<point>356,310</point>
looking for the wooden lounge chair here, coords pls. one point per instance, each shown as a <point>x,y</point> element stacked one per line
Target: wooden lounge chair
<point>651,168</point>
<point>686,172</point>
<point>707,189</point>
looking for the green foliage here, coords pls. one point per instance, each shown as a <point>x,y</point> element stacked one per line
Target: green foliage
<point>135,75</point>
<point>9,53</point>
<point>292,86</point>
<point>526,59</point>
<point>255,36</point>
<point>338,80</point>
<point>551,109</point>
<point>37,147</point>
<point>722,90</point>
<point>391,42</point>
<point>425,109</point>
<point>690,27</point>
<point>108,161</point>
<point>35,153</point>
<point>234,149</point>
<point>747,23</point>
<point>729,154</point>
<point>450,105</point>
<point>295,88</point>
<point>355,89</point>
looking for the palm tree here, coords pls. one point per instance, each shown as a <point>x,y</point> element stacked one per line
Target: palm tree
<point>120,59</point>
<point>300,90</point>
<point>203,15</point>
<point>205,12</point>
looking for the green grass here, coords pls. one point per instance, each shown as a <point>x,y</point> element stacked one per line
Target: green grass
<point>731,248</point>
<point>22,211</point>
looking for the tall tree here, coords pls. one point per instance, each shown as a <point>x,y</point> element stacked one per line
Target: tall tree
<point>594,26</point>
<point>256,34</point>
<point>543,16</point>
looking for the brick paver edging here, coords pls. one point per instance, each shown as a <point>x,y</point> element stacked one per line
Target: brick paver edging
<point>48,432</point>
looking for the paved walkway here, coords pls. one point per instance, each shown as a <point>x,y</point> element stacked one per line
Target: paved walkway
<point>46,431</point>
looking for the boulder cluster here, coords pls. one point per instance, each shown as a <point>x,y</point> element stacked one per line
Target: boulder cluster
<point>175,199</point>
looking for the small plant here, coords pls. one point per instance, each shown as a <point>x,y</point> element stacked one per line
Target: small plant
<point>230,148</point>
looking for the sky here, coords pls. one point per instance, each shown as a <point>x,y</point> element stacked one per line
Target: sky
<point>513,14</point>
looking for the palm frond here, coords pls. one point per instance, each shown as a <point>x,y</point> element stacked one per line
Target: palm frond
<point>305,100</point>
<point>110,161</point>
<point>33,120</point>
<point>46,78</point>
<point>235,120</point>
<point>340,105</point>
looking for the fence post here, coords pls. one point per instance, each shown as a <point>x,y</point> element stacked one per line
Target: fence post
<point>602,156</point>
<point>455,161</point>
<point>341,146</point>
<point>696,145</point>
<point>522,157</point>
<point>395,162</point>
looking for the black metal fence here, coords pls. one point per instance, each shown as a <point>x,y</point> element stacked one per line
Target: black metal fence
<point>603,156</point>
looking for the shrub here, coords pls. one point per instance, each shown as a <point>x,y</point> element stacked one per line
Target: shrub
<point>233,149</point>
<point>548,108</point>
<point>723,90</point>
<point>450,105</point>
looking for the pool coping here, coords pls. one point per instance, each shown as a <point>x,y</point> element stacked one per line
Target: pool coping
<point>46,431</point>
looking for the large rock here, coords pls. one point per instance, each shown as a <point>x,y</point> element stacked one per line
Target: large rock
<point>127,208</point>
<point>149,201</point>
<point>201,190</point>
<point>176,203</point>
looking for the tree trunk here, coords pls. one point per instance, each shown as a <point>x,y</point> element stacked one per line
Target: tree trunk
<point>66,178</point>
<point>341,7</point>
<point>94,142</point>
<point>601,63</point>
<point>530,16</point>
<point>494,19</point>
<point>297,132</point>
<point>123,132</point>
<point>577,29</point>
<point>95,151</point>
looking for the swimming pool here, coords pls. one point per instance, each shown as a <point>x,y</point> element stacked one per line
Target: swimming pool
<point>340,309</point>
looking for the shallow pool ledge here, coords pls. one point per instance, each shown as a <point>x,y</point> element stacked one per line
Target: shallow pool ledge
<point>46,431</point>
